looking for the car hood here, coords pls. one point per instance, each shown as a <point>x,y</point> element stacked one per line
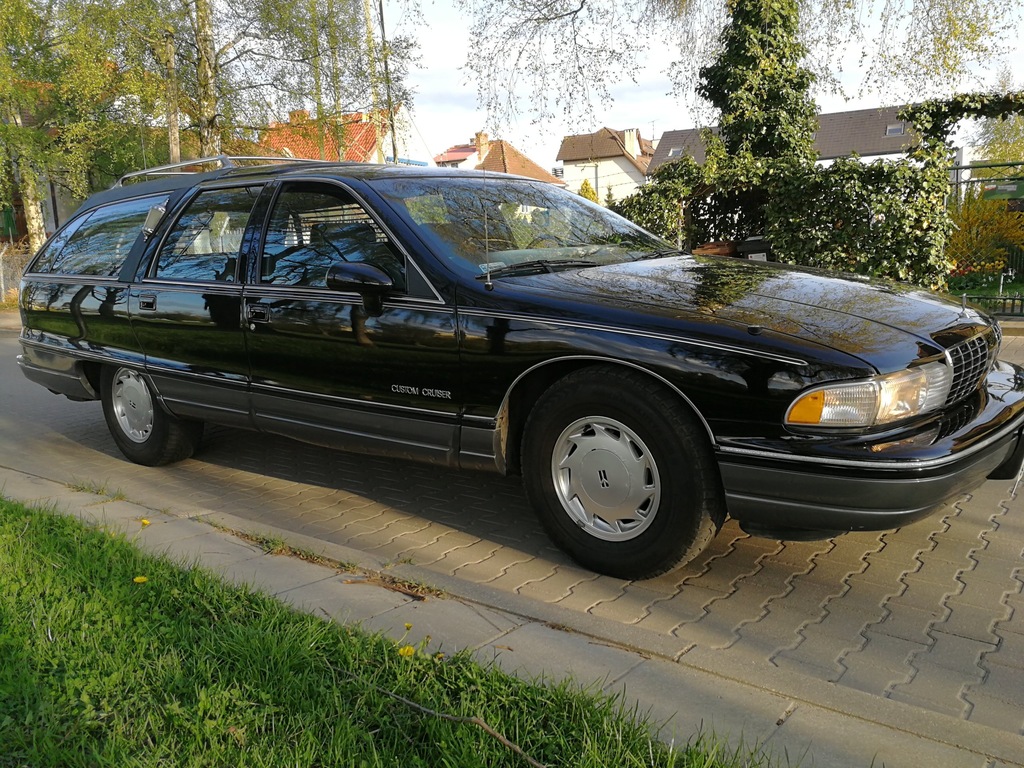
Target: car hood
<point>871,319</point>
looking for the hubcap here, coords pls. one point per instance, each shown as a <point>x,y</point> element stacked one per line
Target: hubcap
<point>606,478</point>
<point>133,405</point>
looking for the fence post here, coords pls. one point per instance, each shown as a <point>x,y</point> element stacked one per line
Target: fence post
<point>3,272</point>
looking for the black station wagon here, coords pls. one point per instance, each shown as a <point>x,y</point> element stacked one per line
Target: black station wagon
<point>492,322</point>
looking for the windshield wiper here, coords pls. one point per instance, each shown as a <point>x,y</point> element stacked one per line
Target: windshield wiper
<point>660,254</point>
<point>536,267</point>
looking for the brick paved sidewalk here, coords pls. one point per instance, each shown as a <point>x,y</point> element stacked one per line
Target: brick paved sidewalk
<point>920,629</point>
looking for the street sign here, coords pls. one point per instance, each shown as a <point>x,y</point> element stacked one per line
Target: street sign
<point>1004,190</point>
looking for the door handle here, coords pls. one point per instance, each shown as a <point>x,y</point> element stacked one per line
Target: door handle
<point>147,301</point>
<point>258,312</point>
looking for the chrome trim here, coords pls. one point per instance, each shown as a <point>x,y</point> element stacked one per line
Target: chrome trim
<point>365,404</point>
<point>900,465</point>
<point>640,334</point>
<point>266,290</point>
<point>60,277</point>
<point>76,353</point>
<point>489,420</point>
<point>181,286</point>
<point>613,361</point>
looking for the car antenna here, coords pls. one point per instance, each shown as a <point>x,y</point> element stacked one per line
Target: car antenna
<point>487,239</point>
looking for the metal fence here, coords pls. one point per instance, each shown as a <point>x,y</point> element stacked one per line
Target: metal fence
<point>987,242</point>
<point>13,258</point>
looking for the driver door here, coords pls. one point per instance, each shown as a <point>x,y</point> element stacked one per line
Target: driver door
<point>330,367</point>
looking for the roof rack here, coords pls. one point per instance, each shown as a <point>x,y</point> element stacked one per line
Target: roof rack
<point>225,161</point>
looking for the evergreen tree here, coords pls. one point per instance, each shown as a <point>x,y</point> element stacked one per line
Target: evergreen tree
<point>587,191</point>
<point>758,85</point>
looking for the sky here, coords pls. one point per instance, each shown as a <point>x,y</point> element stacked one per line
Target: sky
<point>445,110</point>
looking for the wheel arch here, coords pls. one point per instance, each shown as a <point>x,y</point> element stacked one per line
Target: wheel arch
<point>531,383</point>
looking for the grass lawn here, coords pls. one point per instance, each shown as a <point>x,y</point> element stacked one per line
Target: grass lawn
<point>110,657</point>
<point>992,289</point>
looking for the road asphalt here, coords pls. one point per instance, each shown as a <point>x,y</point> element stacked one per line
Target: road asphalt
<point>905,648</point>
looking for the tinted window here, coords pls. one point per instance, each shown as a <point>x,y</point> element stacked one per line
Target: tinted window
<point>98,243</point>
<point>482,224</point>
<point>203,245</point>
<point>316,225</point>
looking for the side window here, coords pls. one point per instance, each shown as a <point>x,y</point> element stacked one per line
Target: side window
<point>316,225</point>
<point>99,243</point>
<point>203,245</point>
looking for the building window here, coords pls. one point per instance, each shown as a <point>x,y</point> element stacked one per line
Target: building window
<point>675,152</point>
<point>894,129</point>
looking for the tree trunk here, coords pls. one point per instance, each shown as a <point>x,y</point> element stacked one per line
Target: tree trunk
<point>206,79</point>
<point>371,54</point>
<point>32,200</point>
<point>338,109</point>
<point>173,137</point>
<point>316,63</point>
<point>385,54</point>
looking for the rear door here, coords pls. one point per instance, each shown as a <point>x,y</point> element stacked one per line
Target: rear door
<point>329,367</point>
<point>187,309</point>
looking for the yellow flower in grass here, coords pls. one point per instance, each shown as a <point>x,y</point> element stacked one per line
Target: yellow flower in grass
<point>140,579</point>
<point>406,651</point>
<point>408,626</point>
<point>144,522</point>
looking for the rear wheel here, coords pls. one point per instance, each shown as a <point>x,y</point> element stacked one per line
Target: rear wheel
<point>143,431</point>
<point>621,474</point>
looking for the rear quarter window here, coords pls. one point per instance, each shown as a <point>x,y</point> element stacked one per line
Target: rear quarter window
<point>98,243</point>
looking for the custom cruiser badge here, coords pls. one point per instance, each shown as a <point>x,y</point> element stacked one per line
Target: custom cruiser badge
<point>405,389</point>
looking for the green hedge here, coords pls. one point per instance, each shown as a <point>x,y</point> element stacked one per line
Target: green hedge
<point>884,219</point>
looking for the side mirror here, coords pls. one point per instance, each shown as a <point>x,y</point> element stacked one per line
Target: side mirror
<point>153,220</point>
<point>370,282</point>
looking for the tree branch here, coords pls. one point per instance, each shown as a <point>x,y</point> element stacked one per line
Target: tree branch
<point>557,16</point>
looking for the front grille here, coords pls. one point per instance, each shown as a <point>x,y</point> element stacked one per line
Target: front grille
<point>970,360</point>
<point>959,417</point>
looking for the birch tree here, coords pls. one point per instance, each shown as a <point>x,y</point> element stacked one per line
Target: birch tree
<point>550,58</point>
<point>64,98</point>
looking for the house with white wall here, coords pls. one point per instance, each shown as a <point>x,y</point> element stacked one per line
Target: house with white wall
<point>614,162</point>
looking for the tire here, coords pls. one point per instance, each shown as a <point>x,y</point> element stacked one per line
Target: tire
<point>143,431</point>
<point>621,473</point>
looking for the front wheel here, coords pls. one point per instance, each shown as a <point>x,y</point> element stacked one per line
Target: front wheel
<point>143,431</point>
<point>621,475</point>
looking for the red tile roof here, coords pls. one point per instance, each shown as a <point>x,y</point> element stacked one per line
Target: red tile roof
<point>502,157</point>
<point>455,154</point>
<point>301,137</point>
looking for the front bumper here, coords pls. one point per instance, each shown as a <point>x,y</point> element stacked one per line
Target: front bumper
<point>779,490</point>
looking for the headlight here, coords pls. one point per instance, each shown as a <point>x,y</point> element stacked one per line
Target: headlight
<point>875,401</point>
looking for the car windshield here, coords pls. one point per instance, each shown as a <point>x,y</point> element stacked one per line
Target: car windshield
<point>491,225</point>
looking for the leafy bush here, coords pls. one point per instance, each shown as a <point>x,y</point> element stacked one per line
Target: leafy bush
<point>883,218</point>
<point>660,205</point>
<point>985,234</point>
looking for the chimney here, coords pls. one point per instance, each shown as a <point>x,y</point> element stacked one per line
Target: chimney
<point>298,116</point>
<point>482,145</point>
<point>631,138</point>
